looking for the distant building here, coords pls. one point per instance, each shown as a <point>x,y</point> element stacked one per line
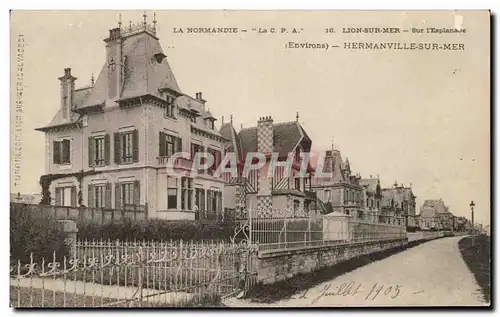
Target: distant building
<point>399,202</point>
<point>372,198</point>
<point>435,215</point>
<point>341,190</point>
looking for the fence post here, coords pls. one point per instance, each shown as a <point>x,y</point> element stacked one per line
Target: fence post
<point>70,231</point>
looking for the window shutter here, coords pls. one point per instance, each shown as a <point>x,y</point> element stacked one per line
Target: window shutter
<point>118,196</point>
<point>91,151</point>
<point>58,197</point>
<point>135,146</point>
<point>57,152</point>
<point>117,148</point>
<point>179,145</point>
<point>107,199</point>
<point>73,196</point>
<point>137,193</point>
<point>107,154</point>
<point>162,144</point>
<point>90,197</point>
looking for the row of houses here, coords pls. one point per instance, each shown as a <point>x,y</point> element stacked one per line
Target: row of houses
<point>435,215</point>
<point>108,144</point>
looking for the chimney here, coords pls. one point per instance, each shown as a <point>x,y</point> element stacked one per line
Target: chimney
<point>114,61</point>
<point>199,97</point>
<point>67,92</point>
<point>265,135</point>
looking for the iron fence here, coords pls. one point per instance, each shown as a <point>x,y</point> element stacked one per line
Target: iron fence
<point>298,232</point>
<point>129,274</point>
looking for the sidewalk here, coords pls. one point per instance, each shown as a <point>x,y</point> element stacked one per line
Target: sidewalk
<point>430,274</point>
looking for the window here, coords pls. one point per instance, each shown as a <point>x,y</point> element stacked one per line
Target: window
<point>200,199</point>
<point>172,198</point>
<point>217,160</point>
<point>127,147</point>
<point>214,200</point>
<point>210,124</point>
<point>296,205</point>
<point>297,183</point>
<point>219,201</point>
<point>62,152</point>
<point>99,150</point>
<point>65,196</point>
<point>99,199</point>
<point>128,193</point>
<point>193,119</point>
<point>172,193</point>
<point>169,144</point>
<point>196,148</point>
<point>328,196</point>
<point>187,193</point>
<point>169,107</point>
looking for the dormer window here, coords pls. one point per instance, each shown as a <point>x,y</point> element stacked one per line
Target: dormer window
<point>210,124</point>
<point>159,57</point>
<point>170,106</point>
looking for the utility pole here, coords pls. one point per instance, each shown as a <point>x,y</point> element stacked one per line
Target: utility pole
<point>472,216</point>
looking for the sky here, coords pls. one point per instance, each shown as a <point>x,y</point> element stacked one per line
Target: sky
<point>419,117</point>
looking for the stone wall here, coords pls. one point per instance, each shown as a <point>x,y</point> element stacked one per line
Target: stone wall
<point>275,266</point>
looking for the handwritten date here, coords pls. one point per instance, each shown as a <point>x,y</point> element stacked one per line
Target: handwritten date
<point>354,289</point>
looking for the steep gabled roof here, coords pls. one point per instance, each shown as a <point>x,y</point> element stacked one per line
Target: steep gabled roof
<point>370,183</point>
<point>286,136</point>
<point>143,73</point>
<point>79,98</point>
<point>233,143</point>
<point>398,194</point>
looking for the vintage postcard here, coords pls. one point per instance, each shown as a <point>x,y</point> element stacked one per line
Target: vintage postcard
<point>250,159</point>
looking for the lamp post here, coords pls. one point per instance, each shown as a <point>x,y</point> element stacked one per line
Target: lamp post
<point>472,216</point>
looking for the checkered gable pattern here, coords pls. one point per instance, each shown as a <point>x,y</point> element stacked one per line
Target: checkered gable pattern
<point>264,206</point>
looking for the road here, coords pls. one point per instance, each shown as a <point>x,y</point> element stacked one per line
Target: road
<point>430,274</point>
